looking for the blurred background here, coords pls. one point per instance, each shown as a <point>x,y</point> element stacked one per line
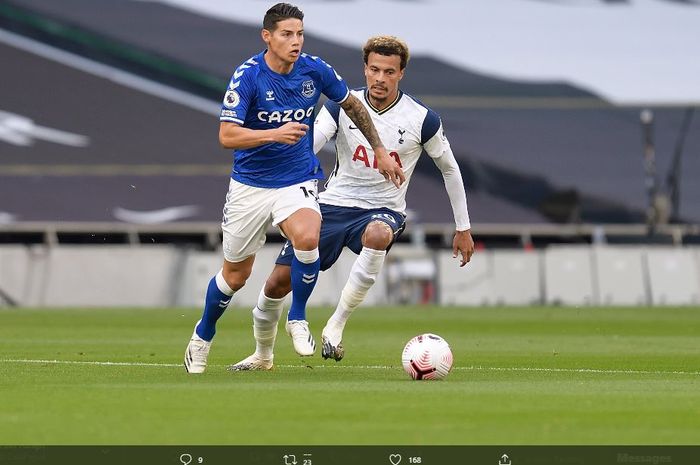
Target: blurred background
<point>574,123</point>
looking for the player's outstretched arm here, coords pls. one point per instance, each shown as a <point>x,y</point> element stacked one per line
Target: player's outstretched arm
<point>438,148</point>
<point>386,165</point>
<point>234,136</point>
<point>462,243</point>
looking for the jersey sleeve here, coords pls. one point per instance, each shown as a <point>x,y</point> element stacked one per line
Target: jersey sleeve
<point>438,148</point>
<point>239,96</point>
<point>334,86</point>
<point>431,126</point>
<point>326,124</point>
<point>432,136</point>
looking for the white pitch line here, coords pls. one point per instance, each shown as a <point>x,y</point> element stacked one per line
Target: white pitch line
<point>89,362</point>
<point>580,370</point>
<point>369,367</point>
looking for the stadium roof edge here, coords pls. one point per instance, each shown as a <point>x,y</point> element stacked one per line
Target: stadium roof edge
<point>111,73</point>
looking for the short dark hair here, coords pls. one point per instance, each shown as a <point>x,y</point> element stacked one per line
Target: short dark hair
<point>280,12</point>
<point>387,46</point>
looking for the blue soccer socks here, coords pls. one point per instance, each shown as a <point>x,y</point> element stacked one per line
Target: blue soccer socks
<point>217,299</point>
<point>305,267</point>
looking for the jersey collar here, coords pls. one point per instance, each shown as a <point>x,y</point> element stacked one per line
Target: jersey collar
<point>391,105</point>
<point>263,65</point>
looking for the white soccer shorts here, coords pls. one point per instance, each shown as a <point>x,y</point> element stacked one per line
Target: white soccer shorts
<point>249,211</point>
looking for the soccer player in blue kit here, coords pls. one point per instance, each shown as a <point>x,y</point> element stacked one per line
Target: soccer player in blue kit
<point>266,117</point>
<point>361,211</point>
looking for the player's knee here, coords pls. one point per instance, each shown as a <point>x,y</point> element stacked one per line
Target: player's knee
<point>236,279</point>
<point>377,235</point>
<point>306,241</point>
<point>277,288</point>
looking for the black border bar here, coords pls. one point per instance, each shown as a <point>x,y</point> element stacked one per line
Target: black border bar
<point>350,455</point>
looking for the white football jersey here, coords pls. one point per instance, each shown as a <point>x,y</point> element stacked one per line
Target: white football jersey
<point>405,127</point>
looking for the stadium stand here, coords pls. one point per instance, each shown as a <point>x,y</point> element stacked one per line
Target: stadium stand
<point>108,123</point>
<point>531,153</point>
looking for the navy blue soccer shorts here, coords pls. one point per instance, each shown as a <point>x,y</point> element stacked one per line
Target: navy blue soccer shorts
<point>343,227</point>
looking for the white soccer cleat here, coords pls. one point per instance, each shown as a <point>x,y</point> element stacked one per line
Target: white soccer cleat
<point>252,363</point>
<point>302,339</point>
<point>196,353</point>
<point>332,339</point>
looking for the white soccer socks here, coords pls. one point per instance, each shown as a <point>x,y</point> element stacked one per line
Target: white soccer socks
<point>266,315</point>
<point>362,277</point>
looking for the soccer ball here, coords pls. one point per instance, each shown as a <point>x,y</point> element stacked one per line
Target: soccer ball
<point>427,356</point>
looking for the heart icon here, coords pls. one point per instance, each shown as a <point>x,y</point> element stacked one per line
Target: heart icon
<point>395,459</point>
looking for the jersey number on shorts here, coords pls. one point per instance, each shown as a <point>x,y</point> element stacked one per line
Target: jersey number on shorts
<point>309,192</point>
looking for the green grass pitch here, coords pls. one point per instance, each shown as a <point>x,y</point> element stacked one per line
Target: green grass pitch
<point>521,376</point>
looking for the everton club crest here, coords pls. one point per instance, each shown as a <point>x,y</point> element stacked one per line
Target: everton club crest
<point>308,89</point>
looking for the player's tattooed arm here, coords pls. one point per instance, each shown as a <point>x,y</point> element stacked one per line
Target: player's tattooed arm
<point>359,115</point>
<point>386,165</point>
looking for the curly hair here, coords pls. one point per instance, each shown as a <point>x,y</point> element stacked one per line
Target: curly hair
<point>386,45</point>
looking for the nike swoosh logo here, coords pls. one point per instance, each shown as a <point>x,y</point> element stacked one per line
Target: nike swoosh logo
<point>351,127</point>
<point>155,216</point>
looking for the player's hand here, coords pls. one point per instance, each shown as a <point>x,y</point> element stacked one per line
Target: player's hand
<point>463,244</point>
<point>290,133</point>
<point>388,167</point>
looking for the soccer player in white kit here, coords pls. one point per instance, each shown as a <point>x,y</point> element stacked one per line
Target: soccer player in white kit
<point>360,210</point>
<point>265,118</point>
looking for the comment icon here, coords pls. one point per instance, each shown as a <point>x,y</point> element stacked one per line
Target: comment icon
<point>185,459</point>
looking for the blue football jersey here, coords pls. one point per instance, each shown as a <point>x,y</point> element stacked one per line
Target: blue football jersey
<point>259,98</point>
